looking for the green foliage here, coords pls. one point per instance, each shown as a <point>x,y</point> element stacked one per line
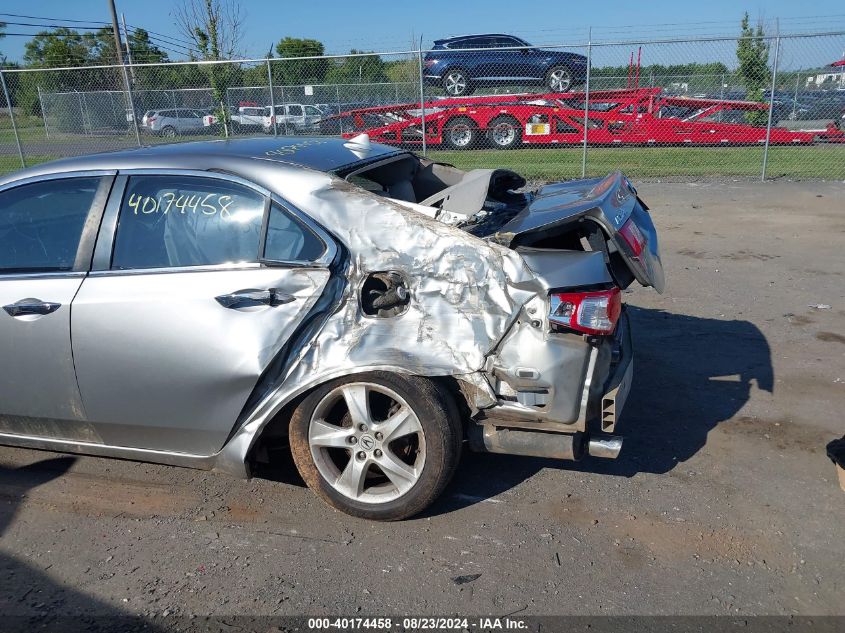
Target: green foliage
<point>305,71</point>
<point>361,69</point>
<point>59,47</point>
<point>402,71</point>
<point>752,51</point>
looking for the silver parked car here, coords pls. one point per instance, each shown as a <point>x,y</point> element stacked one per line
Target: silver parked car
<point>194,304</point>
<point>173,122</point>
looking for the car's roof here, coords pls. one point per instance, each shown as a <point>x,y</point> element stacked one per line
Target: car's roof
<point>326,154</point>
<point>465,37</point>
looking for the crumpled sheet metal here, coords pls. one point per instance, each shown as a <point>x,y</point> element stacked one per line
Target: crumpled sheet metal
<point>465,294</point>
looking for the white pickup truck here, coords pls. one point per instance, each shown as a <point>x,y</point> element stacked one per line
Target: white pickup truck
<point>244,118</point>
<point>249,117</point>
<point>292,118</point>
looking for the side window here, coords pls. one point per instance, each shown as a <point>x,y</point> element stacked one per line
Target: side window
<point>41,224</point>
<point>288,240</point>
<point>295,110</point>
<point>312,110</point>
<point>505,42</point>
<point>172,221</point>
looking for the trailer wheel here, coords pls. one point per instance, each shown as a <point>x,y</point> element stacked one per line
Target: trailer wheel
<point>460,133</point>
<point>504,132</point>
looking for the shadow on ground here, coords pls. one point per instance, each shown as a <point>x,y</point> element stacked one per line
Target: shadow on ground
<point>690,374</point>
<point>29,599</point>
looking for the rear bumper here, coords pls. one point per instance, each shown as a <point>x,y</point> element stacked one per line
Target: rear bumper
<point>580,390</point>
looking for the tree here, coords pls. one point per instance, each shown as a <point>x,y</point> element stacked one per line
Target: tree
<point>364,68</point>
<point>59,47</point>
<point>752,51</point>
<point>215,29</point>
<point>143,50</point>
<point>303,71</point>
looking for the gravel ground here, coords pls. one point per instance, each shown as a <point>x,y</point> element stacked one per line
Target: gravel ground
<point>722,502</point>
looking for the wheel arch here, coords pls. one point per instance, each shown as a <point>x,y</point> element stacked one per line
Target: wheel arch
<point>239,452</point>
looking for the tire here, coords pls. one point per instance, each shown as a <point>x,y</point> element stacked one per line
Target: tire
<point>559,78</point>
<point>460,133</point>
<point>169,132</point>
<point>504,132</point>
<point>456,83</point>
<point>348,473</point>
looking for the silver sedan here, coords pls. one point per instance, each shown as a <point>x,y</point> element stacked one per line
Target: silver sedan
<point>198,304</point>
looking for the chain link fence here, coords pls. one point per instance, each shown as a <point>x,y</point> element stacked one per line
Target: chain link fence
<point>689,109</point>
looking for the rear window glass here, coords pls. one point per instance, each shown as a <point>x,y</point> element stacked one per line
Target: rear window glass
<point>288,240</point>
<point>175,221</point>
<point>41,224</point>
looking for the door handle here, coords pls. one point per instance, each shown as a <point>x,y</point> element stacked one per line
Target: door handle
<point>31,306</point>
<point>252,297</point>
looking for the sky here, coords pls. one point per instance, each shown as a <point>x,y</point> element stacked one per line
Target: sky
<point>383,25</point>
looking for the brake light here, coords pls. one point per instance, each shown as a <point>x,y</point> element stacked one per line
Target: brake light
<point>633,237</point>
<point>588,312</point>
<point>151,119</point>
<point>429,63</point>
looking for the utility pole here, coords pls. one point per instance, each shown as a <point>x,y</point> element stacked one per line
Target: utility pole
<point>117,48</point>
<point>128,49</point>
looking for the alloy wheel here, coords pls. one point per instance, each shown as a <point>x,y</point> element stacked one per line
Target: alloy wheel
<point>560,79</point>
<point>367,443</point>
<point>456,83</point>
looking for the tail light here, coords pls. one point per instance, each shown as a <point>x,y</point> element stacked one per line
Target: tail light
<point>151,120</point>
<point>633,237</point>
<point>588,312</point>
<point>273,120</point>
<point>429,63</point>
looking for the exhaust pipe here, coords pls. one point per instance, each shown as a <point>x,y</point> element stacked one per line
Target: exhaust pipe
<point>606,447</point>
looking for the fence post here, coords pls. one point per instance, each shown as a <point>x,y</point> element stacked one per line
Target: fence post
<point>587,102</point>
<point>43,112</point>
<point>771,108</point>
<point>272,102</point>
<point>81,110</point>
<point>795,96</point>
<point>337,100</point>
<point>132,105</point>
<point>12,118</point>
<point>422,95</point>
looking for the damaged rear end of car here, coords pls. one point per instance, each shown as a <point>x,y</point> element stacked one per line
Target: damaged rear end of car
<point>563,371</point>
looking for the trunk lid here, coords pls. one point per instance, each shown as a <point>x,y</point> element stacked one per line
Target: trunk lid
<point>609,202</point>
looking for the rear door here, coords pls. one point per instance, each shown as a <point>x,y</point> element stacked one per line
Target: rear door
<point>47,231</point>
<point>511,62</point>
<point>197,284</point>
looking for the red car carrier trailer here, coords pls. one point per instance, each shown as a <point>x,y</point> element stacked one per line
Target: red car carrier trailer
<point>633,116</point>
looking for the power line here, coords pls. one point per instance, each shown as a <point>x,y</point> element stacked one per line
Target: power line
<point>70,21</point>
<point>38,17</point>
<point>57,26</point>
<point>162,35</point>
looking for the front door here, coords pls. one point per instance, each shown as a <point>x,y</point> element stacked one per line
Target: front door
<point>173,331</point>
<point>47,230</point>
